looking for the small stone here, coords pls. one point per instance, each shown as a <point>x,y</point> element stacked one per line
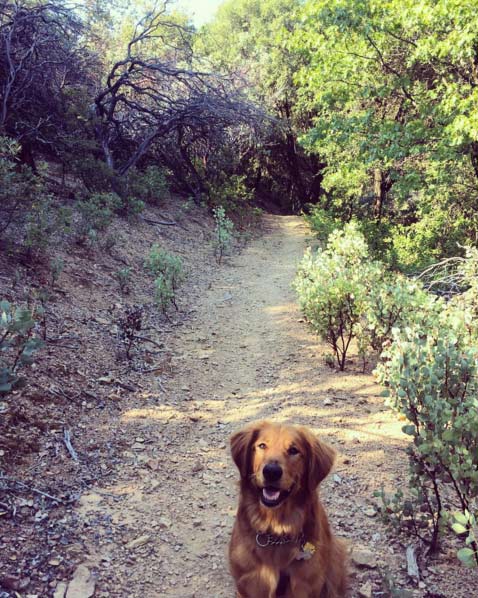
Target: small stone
<point>82,585</point>
<point>363,557</point>
<point>337,479</point>
<point>152,464</point>
<point>137,542</point>
<point>370,512</point>
<point>60,590</point>
<point>164,523</point>
<point>328,402</point>
<point>55,562</point>
<point>366,590</point>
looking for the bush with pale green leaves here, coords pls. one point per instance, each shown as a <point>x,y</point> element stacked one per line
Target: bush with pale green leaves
<point>96,214</point>
<point>169,273</point>
<point>18,343</point>
<point>223,233</point>
<point>332,287</point>
<point>431,377</point>
<point>394,301</point>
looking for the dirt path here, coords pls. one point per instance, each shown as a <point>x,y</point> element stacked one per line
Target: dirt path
<point>161,528</point>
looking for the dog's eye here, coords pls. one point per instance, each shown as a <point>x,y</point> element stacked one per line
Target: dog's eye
<point>262,445</point>
<point>293,450</point>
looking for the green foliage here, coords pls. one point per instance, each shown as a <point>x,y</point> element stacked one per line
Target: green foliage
<point>150,186</point>
<point>332,286</point>
<point>164,293</point>
<point>170,266</point>
<point>123,276</point>
<point>232,195</point>
<point>18,343</point>
<point>56,268</point>
<point>96,214</point>
<point>131,207</point>
<point>28,215</point>
<point>432,378</point>
<point>223,233</point>
<point>322,222</point>
<point>95,174</point>
<point>391,86</point>
<point>394,302</point>
<point>169,273</point>
<point>465,525</point>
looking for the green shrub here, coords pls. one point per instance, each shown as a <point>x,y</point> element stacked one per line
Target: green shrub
<point>130,207</point>
<point>223,233</point>
<point>170,266</point>
<point>56,268</point>
<point>18,344</point>
<point>323,223</point>
<point>27,214</point>
<point>332,286</point>
<point>168,272</point>
<point>233,195</point>
<point>150,186</point>
<point>95,174</point>
<point>96,214</point>
<point>164,293</point>
<point>123,276</point>
<point>432,379</point>
<point>394,301</point>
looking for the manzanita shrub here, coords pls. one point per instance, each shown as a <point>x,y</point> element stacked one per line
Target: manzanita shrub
<point>223,233</point>
<point>428,362</point>
<point>18,343</point>
<point>432,378</point>
<point>394,301</point>
<point>332,285</point>
<point>169,273</point>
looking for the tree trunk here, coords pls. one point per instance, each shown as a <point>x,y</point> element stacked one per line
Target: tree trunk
<point>381,187</point>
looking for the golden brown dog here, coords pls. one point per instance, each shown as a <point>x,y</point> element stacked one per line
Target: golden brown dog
<point>281,543</point>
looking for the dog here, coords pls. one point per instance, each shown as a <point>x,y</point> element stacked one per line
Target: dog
<point>281,544</point>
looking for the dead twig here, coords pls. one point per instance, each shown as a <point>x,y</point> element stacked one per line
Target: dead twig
<point>31,489</point>
<point>69,446</point>
<point>126,386</point>
<point>161,222</point>
<point>412,565</point>
<point>146,339</point>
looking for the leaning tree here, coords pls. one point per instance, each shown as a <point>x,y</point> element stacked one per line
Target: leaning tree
<point>155,102</point>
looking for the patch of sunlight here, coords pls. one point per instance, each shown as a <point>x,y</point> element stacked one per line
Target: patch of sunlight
<point>162,413</point>
<point>286,308</point>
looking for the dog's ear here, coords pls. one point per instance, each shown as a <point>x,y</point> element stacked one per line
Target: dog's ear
<point>321,457</point>
<point>241,447</point>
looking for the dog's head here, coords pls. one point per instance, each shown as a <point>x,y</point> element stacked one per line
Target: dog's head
<point>279,461</point>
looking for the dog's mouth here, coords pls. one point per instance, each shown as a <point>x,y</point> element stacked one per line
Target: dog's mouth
<point>272,497</point>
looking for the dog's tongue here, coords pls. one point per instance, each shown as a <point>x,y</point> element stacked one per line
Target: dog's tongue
<point>270,493</point>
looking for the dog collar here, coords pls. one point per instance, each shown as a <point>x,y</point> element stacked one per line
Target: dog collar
<point>264,539</point>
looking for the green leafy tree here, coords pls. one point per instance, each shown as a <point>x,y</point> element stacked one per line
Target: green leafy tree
<point>392,87</point>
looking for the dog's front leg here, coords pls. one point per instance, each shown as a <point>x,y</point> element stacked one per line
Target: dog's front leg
<point>302,588</point>
<point>260,583</point>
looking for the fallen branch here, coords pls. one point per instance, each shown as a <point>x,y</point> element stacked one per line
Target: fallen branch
<point>31,489</point>
<point>146,339</point>
<point>161,222</point>
<point>126,386</point>
<point>69,446</point>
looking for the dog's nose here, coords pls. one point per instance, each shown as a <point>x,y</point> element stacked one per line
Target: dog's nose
<point>272,472</point>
